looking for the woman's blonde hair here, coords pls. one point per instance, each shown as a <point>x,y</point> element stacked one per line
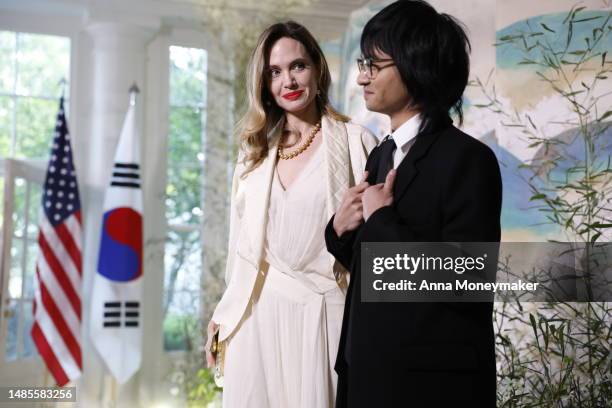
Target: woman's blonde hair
<point>263,114</point>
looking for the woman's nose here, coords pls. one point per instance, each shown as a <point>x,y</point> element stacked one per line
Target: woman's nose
<point>289,80</point>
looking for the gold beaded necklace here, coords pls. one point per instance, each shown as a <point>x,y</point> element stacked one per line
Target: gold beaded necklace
<point>302,148</point>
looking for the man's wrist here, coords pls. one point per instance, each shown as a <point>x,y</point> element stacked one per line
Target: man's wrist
<point>339,232</point>
<point>369,214</point>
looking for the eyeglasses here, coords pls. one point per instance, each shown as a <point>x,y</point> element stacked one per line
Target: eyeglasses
<point>370,68</point>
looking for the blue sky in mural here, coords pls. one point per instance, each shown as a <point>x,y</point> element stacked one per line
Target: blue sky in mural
<point>518,211</point>
<point>540,28</point>
<point>571,146</point>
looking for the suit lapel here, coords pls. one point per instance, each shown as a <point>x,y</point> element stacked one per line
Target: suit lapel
<point>258,187</point>
<point>408,168</point>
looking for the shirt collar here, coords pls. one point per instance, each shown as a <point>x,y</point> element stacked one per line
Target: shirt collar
<point>407,131</point>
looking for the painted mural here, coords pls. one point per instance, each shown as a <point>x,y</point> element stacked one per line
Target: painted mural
<point>539,96</point>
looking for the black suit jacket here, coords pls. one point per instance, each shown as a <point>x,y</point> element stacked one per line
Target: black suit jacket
<point>447,189</point>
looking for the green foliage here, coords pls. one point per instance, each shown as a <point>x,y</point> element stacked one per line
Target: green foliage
<point>183,194</point>
<point>31,66</point>
<point>579,200</point>
<point>188,76</point>
<point>557,354</point>
<point>184,256</point>
<point>186,137</point>
<point>7,56</point>
<point>561,357</point>
<point>43,61</point>
<point>6,122</point>
<point>178,330</point>
<point>35,127</point>
<point>203,390</point>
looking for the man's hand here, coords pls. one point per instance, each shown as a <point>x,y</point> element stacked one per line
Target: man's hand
<point>378,195</point>
<point>350,214</point>
<point>211,330</point>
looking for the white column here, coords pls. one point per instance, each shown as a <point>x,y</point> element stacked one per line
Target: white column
<point>117,60</point>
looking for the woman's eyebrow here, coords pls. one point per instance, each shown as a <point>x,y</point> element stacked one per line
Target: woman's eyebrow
<point>301,59</point>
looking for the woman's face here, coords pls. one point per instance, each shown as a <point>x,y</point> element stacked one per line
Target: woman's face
<point>292,77</point>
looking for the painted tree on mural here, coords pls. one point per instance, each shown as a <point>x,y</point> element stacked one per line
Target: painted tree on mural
<point>558,353</point>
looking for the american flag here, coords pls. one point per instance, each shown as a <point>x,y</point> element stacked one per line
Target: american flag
<point>57,300</point>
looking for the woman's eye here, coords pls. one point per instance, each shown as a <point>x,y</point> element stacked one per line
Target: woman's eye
<point>274,73</point>
<point>299,66</point>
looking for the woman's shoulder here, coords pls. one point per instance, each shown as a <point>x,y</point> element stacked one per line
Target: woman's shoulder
<point>368,139</point>
<point>353,129</point>
<point>356,128</point>
<point>240,165</point>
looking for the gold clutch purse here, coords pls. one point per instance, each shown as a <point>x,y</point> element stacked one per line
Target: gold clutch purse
<point>218,351</point>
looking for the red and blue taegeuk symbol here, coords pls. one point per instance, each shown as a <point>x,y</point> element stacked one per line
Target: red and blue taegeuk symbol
<point>121,245</point>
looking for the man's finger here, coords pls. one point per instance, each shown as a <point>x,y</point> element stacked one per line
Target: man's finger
<point>359,188</point>
<point>365,177</point>
<point>389,182</point>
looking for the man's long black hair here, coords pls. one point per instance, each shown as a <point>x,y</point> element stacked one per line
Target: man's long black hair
<point>431,52</point>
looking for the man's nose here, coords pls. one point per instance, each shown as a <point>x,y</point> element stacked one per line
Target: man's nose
<point>362,79</point>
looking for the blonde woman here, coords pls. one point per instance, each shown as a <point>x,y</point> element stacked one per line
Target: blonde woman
<point>281,313</point>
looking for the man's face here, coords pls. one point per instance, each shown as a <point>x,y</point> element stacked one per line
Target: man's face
<point>383,90</point>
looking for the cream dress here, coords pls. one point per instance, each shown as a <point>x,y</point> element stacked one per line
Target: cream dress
<point>283,353</point>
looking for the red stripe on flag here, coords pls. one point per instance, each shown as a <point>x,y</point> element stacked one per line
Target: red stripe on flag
<point>69,244</point>
<point>60,324</point>
<point>60,274</point>
<point>53,364</point>
<point>78,217</point>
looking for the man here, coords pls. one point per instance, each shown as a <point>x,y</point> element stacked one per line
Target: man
<point>428,182</point>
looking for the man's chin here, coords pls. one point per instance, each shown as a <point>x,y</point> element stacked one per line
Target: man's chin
<point>371,106</point>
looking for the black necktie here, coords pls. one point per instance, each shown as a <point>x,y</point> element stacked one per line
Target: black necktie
<point>385,162</point>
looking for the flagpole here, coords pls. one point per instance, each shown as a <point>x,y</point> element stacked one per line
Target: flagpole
<point>117,294</point>
<point>62,83</point>
<point>46,378</point>
<point>134,91</point>
<point>62,363</point>
<point>113,391</point>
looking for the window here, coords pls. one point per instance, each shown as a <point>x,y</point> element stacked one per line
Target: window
<point>31,66</point>
<point>18,306</point>
<point>184,195</point>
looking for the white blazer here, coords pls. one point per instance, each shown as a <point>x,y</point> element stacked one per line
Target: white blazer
<point>347,146</point>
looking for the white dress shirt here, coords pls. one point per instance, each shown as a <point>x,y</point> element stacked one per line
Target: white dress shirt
<point>404,137</point>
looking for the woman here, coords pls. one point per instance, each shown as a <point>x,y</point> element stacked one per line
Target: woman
<point>281,313</point>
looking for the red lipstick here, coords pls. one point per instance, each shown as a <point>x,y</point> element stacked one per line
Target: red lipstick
<point>292,96</point>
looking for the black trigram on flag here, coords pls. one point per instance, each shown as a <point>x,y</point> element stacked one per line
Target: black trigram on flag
<point>117,314</point>
<point>126,175</point>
